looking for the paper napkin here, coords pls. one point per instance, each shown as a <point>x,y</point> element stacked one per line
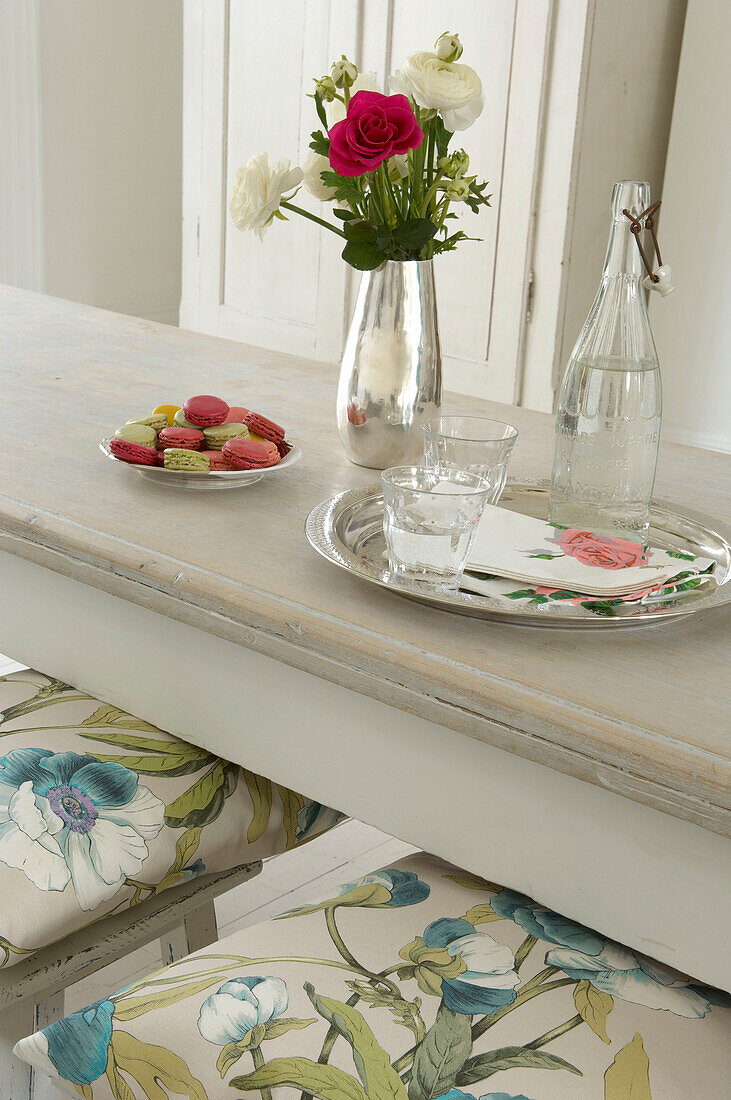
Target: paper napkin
<point>508,544</point>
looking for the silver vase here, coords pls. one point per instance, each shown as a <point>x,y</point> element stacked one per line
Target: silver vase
<point>391,370</point>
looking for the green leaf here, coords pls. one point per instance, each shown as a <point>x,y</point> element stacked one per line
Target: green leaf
<point>442,136</point>
<point>325,1082</point>
<point>129,1008</point>
<point>679,554</point>
<point>593,1006</point>
<point>153,1067</point>
<point>172,747</point>
<point>481,914</point>
<point>495,1061</point>
<point>275,1028</point>
<point>345,215</point>
<point>371,1060</point>
<point>472,882</point>
<point>107,715</point>
<point>118,1087</point>
<point>362,256</point>
<point>320,110</point>
<point>521,594</point>
<point>442,1054</point>
<point>229,1055</point>
<point>346,188</point>
<point>628,1077</point>
<point>202,803</point>
<point>167,766</point>
<point>414,233</point>
<point>320,143</point>
<point>406,1013</point>
<point>545,557</point>
<point>260,792</point>
<point>292,803</point>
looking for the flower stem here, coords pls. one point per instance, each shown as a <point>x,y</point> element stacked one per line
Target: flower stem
<point>258,1059</point>
<point>312,217</point>
<point>350,959</point>
<point>554,1033</point>
<point>524,950</point>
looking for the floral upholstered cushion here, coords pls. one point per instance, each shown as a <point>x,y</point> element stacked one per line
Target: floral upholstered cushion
<point>412,983</point>
<point>99,810</point>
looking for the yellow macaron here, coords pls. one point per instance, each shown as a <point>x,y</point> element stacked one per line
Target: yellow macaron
<point>169,410</point>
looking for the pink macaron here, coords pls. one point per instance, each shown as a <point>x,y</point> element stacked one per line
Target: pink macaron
<point>135,453</point>
<point>236,414</point>
<point>205,410</point>
<point>190,439</point>
<point>245,455</point>
<point>216,460</point>
<point>263,427</point>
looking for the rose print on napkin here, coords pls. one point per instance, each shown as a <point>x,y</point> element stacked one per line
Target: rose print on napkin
<point>601,551</point>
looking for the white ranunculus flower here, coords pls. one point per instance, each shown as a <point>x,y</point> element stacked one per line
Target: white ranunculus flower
<point>364,82</point>
<point>315,163</point>
<point>453,90</point>
<point>258,191</point>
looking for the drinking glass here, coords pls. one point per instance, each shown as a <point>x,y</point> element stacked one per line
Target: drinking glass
<point>471,443</point>
<point>430,516</point>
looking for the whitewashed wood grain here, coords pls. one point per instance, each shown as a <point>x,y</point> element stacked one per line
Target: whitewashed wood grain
<point>645,714</point>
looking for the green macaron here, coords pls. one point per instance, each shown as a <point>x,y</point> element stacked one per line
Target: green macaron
<point>156,421</point>
<point>177,458</point>
<point>221,433</point>
<point>138,433</point>
<point>180,421</point>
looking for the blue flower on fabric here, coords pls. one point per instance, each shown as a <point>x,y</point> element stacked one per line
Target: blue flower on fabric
<point>457,1094</point>
<point>315,818</point>
<point>544,924</point>
<point>472,972</point>
<point>78,1045</point>
<point>239,1005</point>
<point>586,955</point>
<point>67,817</point>
<point>383,889</point>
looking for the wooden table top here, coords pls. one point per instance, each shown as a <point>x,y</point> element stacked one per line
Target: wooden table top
<point>644,713</point>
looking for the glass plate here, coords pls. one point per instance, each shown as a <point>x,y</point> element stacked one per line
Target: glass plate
<point>205,479</point>
<point>348,530</point>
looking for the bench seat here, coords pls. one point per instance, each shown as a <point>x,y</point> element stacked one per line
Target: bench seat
<point>100,810</point>
<point>416,982</point>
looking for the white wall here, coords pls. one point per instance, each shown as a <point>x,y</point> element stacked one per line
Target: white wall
<point>693,327</point>
<point>108,139</point>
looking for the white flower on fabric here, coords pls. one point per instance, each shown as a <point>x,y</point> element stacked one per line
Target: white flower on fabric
<point>315,163</point>
<point>364,82</point>
<point>66,817</point>
<point>239,1005</point>
<point>453,90</point>
<point>258,191</point>
<point>632,977</point>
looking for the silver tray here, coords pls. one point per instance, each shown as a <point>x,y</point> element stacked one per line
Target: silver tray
<point>348,530</point>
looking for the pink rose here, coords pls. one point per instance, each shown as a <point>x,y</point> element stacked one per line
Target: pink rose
<point>375,128</point>
<point>601,551</point>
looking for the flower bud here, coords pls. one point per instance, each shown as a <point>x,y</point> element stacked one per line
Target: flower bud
<point>325,88</point>
<point>344,73</point>
<point>398,167</point>
<point>457,190</point>
<point>455,165</point>
<point>448,47</point>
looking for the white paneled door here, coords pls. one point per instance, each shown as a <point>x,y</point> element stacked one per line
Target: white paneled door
<point>248,70</point>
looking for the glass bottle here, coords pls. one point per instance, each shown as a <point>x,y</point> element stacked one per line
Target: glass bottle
<point>610,402</point>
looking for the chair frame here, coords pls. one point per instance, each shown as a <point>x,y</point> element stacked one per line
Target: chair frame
<point>182,918</point>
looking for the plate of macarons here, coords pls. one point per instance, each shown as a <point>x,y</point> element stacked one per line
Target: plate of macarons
<point>205,443</point>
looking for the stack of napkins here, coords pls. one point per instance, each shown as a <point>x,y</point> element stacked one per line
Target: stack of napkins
<point>522,548</point>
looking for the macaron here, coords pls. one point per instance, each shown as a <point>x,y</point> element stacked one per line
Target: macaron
<point>180,421</point>
<point>283,447</point>
<point>177,458</point>
<point>255,422</point>
<point>245,455</point>
<point>204,411</point>
<point>142,434</point>
<point>157,421</point>
<point>189,438</point>
<point>236,414</point>
<point>136,453</point>
<point>216,460</point>
<point>221,433</point>
<point>169,410</point>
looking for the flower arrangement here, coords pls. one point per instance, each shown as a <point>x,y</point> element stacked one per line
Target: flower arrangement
<point>382,161</point>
